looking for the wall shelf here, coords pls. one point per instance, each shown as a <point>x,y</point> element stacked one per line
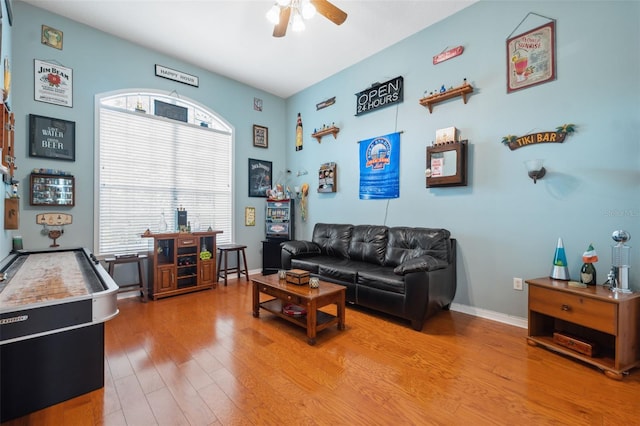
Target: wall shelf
<point>436,98</point>
<point>333,130</point>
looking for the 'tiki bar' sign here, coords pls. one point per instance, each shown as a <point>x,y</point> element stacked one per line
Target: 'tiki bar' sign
<point>515,142</point>
<point>379,96</point>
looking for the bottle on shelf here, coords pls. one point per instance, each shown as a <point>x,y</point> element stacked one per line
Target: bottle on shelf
<point>299,133</point>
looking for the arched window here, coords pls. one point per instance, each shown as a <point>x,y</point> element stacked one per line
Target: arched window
<point>155,154</point>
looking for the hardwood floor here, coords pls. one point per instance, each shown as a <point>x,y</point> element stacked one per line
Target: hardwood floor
<point>203,359</point>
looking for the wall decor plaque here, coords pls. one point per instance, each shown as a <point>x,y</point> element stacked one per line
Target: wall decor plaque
<point>53,83</point>
<point>52,138</point>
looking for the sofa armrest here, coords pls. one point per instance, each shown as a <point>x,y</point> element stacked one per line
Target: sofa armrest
<point>300,248</point>
<point>422,263</point>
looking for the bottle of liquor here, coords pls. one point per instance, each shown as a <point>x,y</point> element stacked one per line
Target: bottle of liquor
<point>299,134</point>
<point>588,271</point>
<point>588,274</point>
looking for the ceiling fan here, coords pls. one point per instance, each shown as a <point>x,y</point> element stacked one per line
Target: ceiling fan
<point>281,12</point>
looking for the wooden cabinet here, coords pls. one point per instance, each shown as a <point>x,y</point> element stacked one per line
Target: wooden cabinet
<point>592,317</point>
<point>181,263</point>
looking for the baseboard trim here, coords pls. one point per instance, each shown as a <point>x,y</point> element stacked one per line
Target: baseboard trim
<point>491,315</point>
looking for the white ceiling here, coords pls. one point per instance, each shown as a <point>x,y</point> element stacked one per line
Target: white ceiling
<point>233,37</point>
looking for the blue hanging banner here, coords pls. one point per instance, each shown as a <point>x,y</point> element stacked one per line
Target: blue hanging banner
<point>380,167</point>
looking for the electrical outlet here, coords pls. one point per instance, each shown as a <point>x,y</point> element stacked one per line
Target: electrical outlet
<point>517,284</point>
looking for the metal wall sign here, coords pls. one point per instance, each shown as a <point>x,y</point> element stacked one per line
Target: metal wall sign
<point>179,76</point>
<point>380,95</point>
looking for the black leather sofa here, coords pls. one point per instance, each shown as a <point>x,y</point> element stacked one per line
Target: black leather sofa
<point>402,271</point>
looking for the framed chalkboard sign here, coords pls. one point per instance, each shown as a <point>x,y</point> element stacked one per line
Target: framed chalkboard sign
<point>52,138</point>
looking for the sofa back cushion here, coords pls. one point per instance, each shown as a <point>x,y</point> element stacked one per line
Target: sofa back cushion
<point>368,244</point>
<point>333,239</point>
<point>408,243</point>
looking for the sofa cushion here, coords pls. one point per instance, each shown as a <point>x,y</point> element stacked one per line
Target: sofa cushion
<point>368,244</point>
<point>306,263</point>
<point>338,269</point>
<point>422,263</point>
<point>333,239</point>
<point>408,243</point>
<point>300,248</point>
<point>382,278</point>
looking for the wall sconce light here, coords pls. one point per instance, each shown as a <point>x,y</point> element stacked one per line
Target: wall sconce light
<point>535,169</point>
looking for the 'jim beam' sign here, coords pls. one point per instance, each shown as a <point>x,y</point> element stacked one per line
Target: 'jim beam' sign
<point>380,96</point>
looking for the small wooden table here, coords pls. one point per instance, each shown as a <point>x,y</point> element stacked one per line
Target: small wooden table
<point>302,295</point>
<point>593,314</point>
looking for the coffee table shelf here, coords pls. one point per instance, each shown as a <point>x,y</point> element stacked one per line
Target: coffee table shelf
<point>323,319</point>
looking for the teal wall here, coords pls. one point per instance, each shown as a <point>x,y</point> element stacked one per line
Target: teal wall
<point>103,63</point>
<point>505,225</point>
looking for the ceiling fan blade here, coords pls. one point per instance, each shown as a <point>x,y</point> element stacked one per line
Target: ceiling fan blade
<point>329,11</point>
<point>281,29</point>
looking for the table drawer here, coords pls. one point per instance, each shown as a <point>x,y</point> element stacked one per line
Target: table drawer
<point>588,312</point>
<point>282,295</point>
<point>187,242</point>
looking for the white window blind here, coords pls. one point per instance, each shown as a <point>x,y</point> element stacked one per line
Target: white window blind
<point>149,167</point>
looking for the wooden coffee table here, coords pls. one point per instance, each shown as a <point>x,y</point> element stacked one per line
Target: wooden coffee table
<point>304,296</point>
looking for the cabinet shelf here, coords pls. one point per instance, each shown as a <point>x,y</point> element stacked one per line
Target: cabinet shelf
<point>333,130</point>
<point>436,98</point>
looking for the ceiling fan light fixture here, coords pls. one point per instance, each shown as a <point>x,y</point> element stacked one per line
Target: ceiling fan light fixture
<point>273,15</point>
<point>297,24</point>
<point>308,10</point>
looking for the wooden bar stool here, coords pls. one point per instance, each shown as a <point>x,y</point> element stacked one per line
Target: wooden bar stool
<point>130,258</point>
<point>226,270</point>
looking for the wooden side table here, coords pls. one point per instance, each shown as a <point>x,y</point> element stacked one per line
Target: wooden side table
<point>607,320</point>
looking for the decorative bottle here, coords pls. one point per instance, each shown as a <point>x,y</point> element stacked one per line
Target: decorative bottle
<point>162,225</point>
<point>588,274</point>
<point>588,271</point>
<point>299,133</point>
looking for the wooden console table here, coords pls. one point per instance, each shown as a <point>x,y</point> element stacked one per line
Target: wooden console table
<point>594,314</point>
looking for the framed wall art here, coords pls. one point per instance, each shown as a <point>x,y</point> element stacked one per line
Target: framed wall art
<point>52,138</point>
<point>260,136</point>
<point>9,11</point>
<point>260,177</point>
<point>531,57</point>
<point>51,37</point>
<point>53,83</point>
<point>249,216</point>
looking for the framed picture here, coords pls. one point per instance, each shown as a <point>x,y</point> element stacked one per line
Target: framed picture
<point>53,83</point>
<point>531,57</point>
<point>260,177</point>
<point>52,138</point>
<point>9,11</point>
<point>51,37</point>
<point>260,136</point>
<point>249,216</point>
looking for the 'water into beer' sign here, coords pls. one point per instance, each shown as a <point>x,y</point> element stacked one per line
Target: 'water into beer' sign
<point>380,96</point>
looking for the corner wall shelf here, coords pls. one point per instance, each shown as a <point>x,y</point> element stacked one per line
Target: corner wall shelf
<point>436,98</point>
<point>333,130</point>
